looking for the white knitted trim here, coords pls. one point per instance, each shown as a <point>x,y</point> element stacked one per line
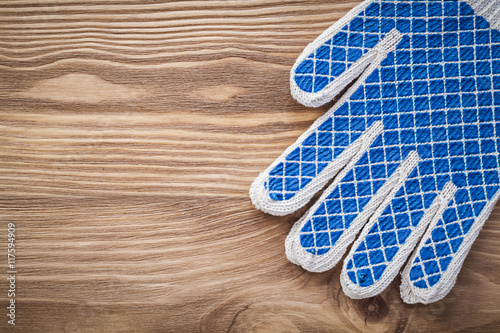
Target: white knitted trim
<point>258,192</point>
<point>320,263</point>
<point>411,294</point>
<point>489,9</point>
<point>333,88</point>
<point>434,211</point>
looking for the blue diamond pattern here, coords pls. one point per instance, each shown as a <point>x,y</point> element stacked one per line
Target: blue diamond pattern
<point>437,94</point>
<point>348,199</point>
<point>344,130</point>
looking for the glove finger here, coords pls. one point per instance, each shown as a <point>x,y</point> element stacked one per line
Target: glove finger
<point>392,233</point>
<point>319,240</point>
<point>306,166</point>
<point>326,147</point>
<point>339,54</point>
<point>432,270</point>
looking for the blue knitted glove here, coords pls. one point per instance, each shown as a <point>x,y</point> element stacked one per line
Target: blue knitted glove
<point>412,147</point>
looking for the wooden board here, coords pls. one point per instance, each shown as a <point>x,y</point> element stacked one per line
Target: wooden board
<point>130,133</point>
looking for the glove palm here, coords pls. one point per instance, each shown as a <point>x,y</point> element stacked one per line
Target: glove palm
<point>413,146</point>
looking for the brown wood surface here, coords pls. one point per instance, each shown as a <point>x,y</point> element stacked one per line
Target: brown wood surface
<point>130,133</point>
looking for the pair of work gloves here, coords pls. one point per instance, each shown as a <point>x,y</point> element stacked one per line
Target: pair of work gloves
<point>411,149</point>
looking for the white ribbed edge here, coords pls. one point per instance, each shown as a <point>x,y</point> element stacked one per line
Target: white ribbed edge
<point>489,9</point>
<point>333,88</point>
<point>411,294</point>
<point>393,268</point>
<point>320,263</point>
<point>259,194</point>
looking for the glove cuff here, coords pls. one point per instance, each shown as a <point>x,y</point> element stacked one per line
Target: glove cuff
<point>489,9</point>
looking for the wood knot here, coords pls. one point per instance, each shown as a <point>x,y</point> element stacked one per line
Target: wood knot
<point>222,93</point>
<point>372,309</point>
<point>80,88</point>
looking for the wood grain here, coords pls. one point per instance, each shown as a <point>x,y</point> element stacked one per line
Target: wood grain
<point>130,134</point>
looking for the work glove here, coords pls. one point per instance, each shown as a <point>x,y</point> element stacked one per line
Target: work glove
<point>412,146</point>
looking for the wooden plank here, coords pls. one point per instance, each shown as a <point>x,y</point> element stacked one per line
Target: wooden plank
<point>130,134</point>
